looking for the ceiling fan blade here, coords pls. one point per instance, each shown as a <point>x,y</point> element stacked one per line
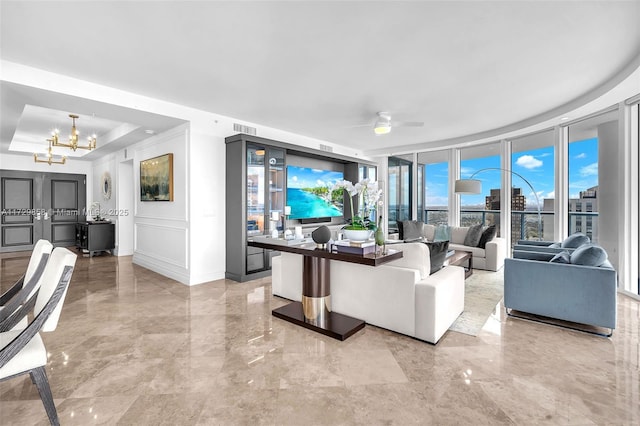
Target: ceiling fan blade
<point>370,124</point>
<point>407,124</point>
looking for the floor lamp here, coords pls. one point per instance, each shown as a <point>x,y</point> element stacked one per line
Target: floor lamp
<point>474,186</point>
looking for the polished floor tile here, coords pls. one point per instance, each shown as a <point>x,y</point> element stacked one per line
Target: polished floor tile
<point>135,348</point>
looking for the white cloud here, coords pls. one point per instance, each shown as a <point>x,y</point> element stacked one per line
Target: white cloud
<point>581,155</point>
<point>294,178</point>
<point>590,170</point>
<point>528,162</point>
<point>551,194</point>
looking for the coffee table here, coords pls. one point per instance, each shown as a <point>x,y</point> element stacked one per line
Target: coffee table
<point>464,259</point>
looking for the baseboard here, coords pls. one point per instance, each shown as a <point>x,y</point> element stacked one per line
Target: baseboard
<point>179,274</point>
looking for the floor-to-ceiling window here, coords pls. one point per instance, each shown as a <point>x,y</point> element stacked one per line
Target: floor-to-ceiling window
<point>435,192</point>
<point>484,207</point>
<point>399,207</point>
<point>588,140</point>
<point>533,159</point>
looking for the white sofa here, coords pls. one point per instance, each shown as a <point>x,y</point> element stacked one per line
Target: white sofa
<point>490,258</point>
<point>400,295</point>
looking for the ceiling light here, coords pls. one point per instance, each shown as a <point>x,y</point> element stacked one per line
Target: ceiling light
<point>383,124</point>
<point>49,156</point>
<point>260,152</point>
<point>382,128</point>
<point>564,118</point>
<point>73,138</point>
<point>149,131</point>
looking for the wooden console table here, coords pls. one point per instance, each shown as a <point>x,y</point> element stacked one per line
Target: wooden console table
<point>315,312</point>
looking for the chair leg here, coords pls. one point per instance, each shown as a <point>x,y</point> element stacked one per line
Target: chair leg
<point>39,377</point>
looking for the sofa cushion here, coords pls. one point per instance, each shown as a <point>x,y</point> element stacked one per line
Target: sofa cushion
<point>575,240</point>
<point>487,235</point>
<point>589,255</point>
<point>562,257</point>
<point>411,229</point>
<point>437,254</point>
<point>458,234</point>
<point>556,245</point>
<point>473,235</point>
<point>429,232</point>
<point>443,233</point>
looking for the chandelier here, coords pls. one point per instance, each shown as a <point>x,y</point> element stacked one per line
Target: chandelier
<point>49,160</point>
<point>73,138</point>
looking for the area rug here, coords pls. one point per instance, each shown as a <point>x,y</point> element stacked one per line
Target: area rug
<point>483,291</point>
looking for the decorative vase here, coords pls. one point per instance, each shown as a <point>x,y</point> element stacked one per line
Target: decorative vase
<point>321,235</point>
<point>379,235</point>
<point>357,234</point>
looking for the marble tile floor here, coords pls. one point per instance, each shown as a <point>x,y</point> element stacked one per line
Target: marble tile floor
<point>136,348</point>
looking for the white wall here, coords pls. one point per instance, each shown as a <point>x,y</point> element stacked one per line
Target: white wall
<point>184,239</point>
<point>124,193</point>
<point>609,189</point>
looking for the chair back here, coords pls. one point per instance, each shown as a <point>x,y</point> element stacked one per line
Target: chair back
<point>54,271</point>
<point>41,247</point>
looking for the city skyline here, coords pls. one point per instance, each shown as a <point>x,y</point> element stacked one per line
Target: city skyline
<point>536,165</point>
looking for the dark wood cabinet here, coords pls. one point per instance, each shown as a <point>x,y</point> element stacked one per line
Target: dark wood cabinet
<point>96,236</point>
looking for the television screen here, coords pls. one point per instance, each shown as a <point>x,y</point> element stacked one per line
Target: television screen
<point>309,193</point>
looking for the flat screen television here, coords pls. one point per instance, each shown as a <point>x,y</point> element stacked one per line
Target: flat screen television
<point>309,194</point>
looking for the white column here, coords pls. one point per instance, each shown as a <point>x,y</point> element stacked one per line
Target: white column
<point>506,192</point>
<point>561,204</point>
<point>454,174</point>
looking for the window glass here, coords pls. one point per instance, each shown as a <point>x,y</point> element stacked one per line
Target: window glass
<point>481,162</point>
<point>533,158</point>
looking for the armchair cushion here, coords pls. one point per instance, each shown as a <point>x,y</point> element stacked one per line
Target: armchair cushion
<point>575,240</point>
<point>589,255</point>
<point>437,254</point>
<point>562,257</point>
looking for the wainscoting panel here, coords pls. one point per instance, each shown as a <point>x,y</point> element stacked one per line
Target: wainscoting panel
<point>162,247</point>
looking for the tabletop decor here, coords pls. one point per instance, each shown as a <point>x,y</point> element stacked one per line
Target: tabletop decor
<point>360,225</point>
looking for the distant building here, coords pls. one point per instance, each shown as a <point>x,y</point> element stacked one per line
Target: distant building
<point>586,203</point>
<point>518,204</point>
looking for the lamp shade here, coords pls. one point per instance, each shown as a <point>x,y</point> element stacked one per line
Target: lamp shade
<point>468,186</point>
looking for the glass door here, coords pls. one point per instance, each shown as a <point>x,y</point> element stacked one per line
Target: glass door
<point>399,192</point>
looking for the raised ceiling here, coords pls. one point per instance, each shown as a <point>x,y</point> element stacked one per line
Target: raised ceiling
<point>319,68</point>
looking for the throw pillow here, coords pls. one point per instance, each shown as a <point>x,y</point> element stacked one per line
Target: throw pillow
<point>487,235</point>
<point>437,254</point>
<point>473,236</point>
<point>589,255</point>
<point>443,233</point>
<point>575,240</point>
<point>555,245</point>
<point>562,257</point>
<point>412,229</point>
<point>400,230</point>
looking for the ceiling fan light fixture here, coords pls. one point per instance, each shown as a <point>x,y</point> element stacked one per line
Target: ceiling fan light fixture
<point>382,128</point>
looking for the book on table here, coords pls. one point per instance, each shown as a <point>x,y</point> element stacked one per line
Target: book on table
<point>355,247</point>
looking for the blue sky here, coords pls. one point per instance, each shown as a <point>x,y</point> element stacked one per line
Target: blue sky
<point>537,166</point>
<point>304,177</point>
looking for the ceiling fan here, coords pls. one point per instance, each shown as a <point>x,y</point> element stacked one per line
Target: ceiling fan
<point>383,123</point>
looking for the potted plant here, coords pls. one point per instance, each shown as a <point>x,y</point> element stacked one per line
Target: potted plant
<point>360,225</point>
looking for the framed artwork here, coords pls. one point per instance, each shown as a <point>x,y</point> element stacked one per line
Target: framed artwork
<point>156,178</point>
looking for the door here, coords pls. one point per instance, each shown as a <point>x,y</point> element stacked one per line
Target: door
<point>39,205</point>
<point>20,200</point>
<point>63,201</point>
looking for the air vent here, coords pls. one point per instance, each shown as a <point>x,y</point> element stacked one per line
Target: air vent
<point>244,129</point>
<point>327,148</point>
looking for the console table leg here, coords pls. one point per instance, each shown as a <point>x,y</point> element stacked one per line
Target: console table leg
<point>316,289</point>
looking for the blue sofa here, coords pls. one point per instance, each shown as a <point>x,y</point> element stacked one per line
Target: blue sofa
<point>569,292</point>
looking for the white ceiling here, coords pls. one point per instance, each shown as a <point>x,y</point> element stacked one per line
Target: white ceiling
<point>319,68</point>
